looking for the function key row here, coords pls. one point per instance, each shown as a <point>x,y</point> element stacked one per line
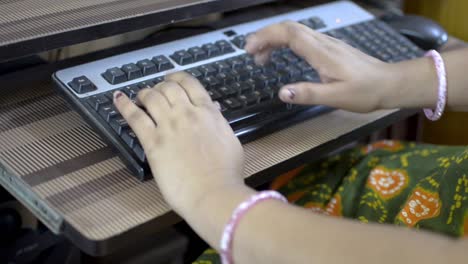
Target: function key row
<point>82,85</point>
<point>240,41</point>
<point>206,51</point>
<point>132,71</point>
<point>315,23</point>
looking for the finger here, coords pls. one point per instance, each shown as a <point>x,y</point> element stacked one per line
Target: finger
<point>174,93</point>
<point>262,57</point>
<point>333,94</point>
<point>155,103</point>
<point>143,126</point>
<point>304,41</point>
<point>194,89</point>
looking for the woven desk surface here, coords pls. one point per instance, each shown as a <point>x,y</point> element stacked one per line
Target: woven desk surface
<point>29,19</point>
<point>65,170</point>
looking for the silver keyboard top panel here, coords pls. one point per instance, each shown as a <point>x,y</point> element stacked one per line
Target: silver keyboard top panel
<point>335,15</point>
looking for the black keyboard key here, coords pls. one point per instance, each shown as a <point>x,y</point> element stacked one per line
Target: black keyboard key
<point>132,71</point>
<point>195,73</point>
<point>290,58</point>
<point>268,93</point>
<point>129,137</point>
<point>278,63</point>
<point>155,81</point>
<point>131,91</point>
<point>97,101</point>
<point>163,63</point>
<point>147,67</point>
<point>110,95</point>
<point>264,95</point>
<point>227,91</point>
<point>250,84</point>
<point>182,57</point>
<point>293,72</point>
<point>261,81</point>
<point>283,76</point>
<point>140,153</point>
<point>248,98</point>
<point>304,67</point>
<point>314,23</point>
<point>211,82</point>
<point>221,66</point>
<point>222,108</point>
<point>307,23</point>
<point>215,95</point>
<point>253,69</point>
<point>382,55</point>
<point>224,46</point>
<point>234,74</point>
<point>108,112</point>
<point>198,53</point>
<point>239,41</point>
<point>115,76</point>
<point>82,85</point>
<point>211,50</point>
<point>207,70</point>
<point>236,87</point>
<point>225,78</point>
<point>119,124</point>
<point>243,74</point>
<point>236,63</point>
<point>146,84</point>
<point>248,59</point>
<point>232,104</point>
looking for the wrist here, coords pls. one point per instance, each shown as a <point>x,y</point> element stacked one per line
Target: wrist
<point>214,210</point>
<point>204,196</point>
<point>409,84</point>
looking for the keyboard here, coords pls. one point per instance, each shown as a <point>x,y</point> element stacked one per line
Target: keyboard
<point>246,92</point>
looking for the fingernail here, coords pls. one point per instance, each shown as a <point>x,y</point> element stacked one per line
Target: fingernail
<point>259,61</point>
<point>117,95</point>
<point>288,93</point>
<point>250,45</point>
<point>218,105</point>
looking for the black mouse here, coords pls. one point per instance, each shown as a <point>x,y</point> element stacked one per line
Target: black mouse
<point>425,33</point>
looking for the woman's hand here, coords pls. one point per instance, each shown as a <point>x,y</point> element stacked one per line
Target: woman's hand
<point>351,79</point>
<point>190,147</point>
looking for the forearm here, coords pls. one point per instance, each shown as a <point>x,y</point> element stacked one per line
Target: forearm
<point>413,84</point>
<point>273,232</point>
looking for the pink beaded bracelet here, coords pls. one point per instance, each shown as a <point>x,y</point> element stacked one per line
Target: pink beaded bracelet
<point>442,89</point>
<point>239,212</point>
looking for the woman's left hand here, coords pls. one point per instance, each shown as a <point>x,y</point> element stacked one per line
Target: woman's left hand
<point>190,147</point>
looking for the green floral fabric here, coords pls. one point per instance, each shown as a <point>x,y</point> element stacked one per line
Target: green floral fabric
<point>388,182</point>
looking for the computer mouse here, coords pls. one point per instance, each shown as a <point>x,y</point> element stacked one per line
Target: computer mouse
<point>425,33</point>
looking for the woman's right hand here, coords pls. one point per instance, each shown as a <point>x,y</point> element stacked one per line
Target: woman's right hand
<point>351,80</point>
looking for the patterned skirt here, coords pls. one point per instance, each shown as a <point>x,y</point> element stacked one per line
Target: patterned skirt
<point>388,182</point>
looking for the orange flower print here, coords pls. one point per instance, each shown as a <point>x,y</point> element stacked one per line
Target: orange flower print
<point>387,183</point>
<point>389,145</point>
<point>284,179</point>
<point>421,205</point>
<point>333,208</point>
<point>294,197</point>
<point>315,207</point>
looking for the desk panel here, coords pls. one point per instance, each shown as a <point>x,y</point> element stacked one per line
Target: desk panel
<point>60,168</point>
<point>32,26</point>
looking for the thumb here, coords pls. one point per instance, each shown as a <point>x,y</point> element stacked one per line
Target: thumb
<point>306,93</point>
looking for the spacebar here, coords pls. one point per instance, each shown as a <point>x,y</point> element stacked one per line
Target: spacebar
<point>246,114</point>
